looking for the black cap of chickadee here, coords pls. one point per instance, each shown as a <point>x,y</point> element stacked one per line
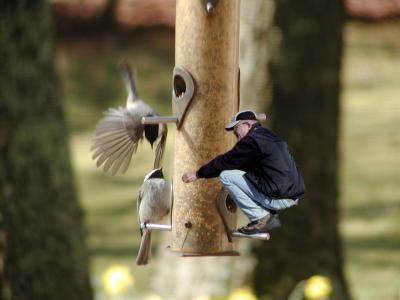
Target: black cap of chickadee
<point>156,173</point>
<point>151,131</point>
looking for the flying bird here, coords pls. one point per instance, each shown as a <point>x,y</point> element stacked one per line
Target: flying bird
<point>119,132</point>
<point>153,204</point>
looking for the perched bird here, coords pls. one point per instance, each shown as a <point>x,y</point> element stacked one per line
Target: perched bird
<point>153,204</point>
<point>118,133</point>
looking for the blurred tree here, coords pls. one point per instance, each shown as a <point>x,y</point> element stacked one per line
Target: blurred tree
<point>306,49</point>
<point>256,18</point>
<point>42,239</point>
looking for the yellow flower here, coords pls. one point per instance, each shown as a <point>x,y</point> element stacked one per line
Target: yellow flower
<point>153,297</point>
<point>117,279</point>
<point>244,293</point>
<point>317,287</point>
<point>202,297</point>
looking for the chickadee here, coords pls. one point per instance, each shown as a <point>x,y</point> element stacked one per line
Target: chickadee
<point>153,204</point>
<point>118,133</point>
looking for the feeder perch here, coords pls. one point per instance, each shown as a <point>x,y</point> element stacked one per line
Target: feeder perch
<point>258,236</point>
<point>152,226</point>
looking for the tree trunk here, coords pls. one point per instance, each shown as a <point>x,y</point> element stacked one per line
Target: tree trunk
<point>42,237</point>
<point>305,70</point>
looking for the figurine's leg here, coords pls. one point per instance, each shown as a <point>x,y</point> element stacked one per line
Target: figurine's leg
<point>242,194</point>
<point>253,203</point>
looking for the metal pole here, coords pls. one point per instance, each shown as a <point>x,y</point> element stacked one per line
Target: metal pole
<point>163,227</point>
<point>159,119</point>
<point>207,46</point>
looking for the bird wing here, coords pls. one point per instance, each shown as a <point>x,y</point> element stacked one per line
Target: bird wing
<point>138,202</point>
<point>160,145</point>
<point>116,138</point>
<point>129,81</point>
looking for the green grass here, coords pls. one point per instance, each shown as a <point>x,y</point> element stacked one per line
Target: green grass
<point>370,142</point>
<point>371,160</point>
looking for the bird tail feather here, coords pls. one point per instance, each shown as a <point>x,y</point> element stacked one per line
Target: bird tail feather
<point>144,254</point>
<point>128,79</point>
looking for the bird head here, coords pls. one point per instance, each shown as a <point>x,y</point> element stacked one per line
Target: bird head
<point>156,173</point>
<point>151,132</point>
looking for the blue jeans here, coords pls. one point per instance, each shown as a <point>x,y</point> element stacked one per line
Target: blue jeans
<point>248,198</point>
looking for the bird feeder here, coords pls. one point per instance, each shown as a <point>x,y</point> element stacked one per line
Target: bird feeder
<point>205,96</point>
<point>207,46</point>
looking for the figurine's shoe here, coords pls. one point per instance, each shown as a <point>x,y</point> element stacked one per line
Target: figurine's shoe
<point>262,225</point>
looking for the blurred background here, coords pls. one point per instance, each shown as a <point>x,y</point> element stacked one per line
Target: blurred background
<point>90,37</point>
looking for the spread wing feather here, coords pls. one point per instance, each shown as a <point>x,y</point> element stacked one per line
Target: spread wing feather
<point>116,138</point>
<point>115,157</point>
<point>123,163</point>
<point>105,144</point>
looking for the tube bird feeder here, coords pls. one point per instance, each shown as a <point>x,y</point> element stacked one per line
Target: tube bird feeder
<point>205,97</point>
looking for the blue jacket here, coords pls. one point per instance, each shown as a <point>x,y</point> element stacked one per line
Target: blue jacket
<point>266,160</point>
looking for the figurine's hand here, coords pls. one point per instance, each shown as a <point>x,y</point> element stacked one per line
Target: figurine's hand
<point>189,177</point>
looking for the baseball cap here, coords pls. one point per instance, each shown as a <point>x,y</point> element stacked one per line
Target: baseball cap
<point>240,116</point>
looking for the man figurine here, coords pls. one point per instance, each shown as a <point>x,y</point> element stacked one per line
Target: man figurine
<point>258,172</point>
